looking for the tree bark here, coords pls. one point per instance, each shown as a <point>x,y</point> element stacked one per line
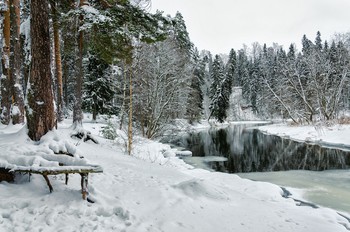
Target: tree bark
<point>65,74</point>
<point>40,109</point>
<point>6,77</point>
<point>69,39</point>
<point>25,51</point>
<point>58,61</point>
<point>17,109</point>
<point>77,111</point>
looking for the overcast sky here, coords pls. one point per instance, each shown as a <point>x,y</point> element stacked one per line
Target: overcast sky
<point>220,25</point>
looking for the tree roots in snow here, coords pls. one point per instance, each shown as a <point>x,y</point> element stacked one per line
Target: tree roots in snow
<point>84,135</point>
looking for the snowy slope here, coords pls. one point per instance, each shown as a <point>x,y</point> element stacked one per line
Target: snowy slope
<point>147,192</point>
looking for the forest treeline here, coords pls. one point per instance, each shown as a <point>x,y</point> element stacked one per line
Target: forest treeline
<point>307,86</point>
<point>114,57</point>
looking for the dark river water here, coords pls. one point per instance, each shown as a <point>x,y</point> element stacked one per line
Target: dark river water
<point>246,149</point>
<point>320,172</point>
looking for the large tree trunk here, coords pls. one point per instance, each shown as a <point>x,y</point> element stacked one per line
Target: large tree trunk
<point>58,60</point>
<point>6,77</point>
<point>17,109</point>
<point>77,111</point>
<point>40,109</point>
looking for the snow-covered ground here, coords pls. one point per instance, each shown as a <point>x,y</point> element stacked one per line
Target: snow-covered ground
<point>149,191</point>
<point>338,135</point>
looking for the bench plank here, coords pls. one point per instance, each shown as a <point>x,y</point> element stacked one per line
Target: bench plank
<point>58,170</point>
<point>45,171</point>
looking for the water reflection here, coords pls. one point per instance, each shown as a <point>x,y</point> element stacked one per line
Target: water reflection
<point>249,150</point>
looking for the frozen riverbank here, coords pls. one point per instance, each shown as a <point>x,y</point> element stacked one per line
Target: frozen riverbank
<point>336,135</point>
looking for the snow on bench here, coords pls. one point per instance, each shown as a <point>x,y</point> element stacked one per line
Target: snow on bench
<point>46,171</point>
<point>56,153</point>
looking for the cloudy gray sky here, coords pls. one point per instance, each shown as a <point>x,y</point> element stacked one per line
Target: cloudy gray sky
<point>221,25</point>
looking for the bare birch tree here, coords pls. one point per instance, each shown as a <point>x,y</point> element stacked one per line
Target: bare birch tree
<point>163,79</point>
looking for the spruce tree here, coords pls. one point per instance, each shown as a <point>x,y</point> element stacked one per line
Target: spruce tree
<point>291,52</point>
<point>231,69</point>
<point>218,96</point>
<point>195,99</point>
<point>242,73</point>
<point>255,74</point>
<point>318,41</point>
<point>98,89</point>
<point>307,45</point>
<point>325,47</point>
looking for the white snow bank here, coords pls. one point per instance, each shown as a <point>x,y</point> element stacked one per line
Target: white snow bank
<point>337,134</point>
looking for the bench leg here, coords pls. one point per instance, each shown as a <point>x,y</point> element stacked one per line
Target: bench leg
<point>67,178</point>
<point>84,184</point>
<point>48,182</point>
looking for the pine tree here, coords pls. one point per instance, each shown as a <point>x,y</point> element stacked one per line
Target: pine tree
<point>12,100</point>
<point>17,108</point>
<point>58,60</point>
<point>77,109</point>
<point>180,33</point>
<point>40,109</point>
<point>68,35</point>
<point>6,74</point>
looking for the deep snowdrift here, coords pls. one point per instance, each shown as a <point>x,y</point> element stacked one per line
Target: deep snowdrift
<point>148,192</point>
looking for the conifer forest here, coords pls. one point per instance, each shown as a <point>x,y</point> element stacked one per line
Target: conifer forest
<point>114,57</point>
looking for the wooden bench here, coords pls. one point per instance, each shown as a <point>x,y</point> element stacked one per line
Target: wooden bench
<point>46,171</point>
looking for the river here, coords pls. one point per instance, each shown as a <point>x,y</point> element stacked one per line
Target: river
<point>310,171</point>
